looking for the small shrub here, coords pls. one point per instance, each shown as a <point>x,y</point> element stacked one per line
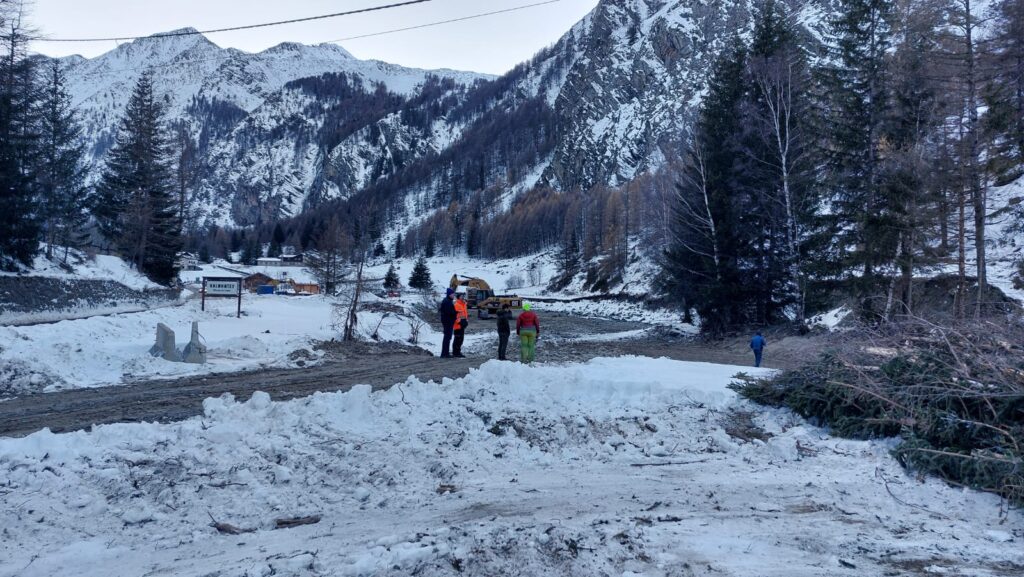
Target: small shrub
<point>514,281</point>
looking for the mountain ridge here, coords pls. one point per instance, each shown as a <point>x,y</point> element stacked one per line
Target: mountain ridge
<point>612,99</point>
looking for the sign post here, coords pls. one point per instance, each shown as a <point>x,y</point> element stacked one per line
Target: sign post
<point>214,286</point>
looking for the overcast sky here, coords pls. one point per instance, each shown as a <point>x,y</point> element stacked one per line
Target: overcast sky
<point>491,44</point>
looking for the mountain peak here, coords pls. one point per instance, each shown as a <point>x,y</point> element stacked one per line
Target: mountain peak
<point>186,31</point>
<point>331,49</point>
<point>182,38</point>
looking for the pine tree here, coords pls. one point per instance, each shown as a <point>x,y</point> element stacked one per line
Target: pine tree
<point>569,256</point>
<point>136,206</point>
<point>779,119</point>
<point>965,22</point>
<point>274,250</point>
<point>250,252</point>
<point>859,101</point>
<point>431,241</point>
<point>61,172</point>
<point>19,143</point>
<point>398,246</point>
<point>391,280</point>
<point>420,277</point>
<point>204,254</point>
<point>906,174</point>
<point>703,266</point>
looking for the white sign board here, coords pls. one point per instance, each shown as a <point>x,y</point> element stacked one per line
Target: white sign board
<point>224,288</point>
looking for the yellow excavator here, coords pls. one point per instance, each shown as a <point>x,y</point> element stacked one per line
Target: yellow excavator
<point>481,297</point>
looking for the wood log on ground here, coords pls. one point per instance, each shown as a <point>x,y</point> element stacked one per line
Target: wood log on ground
<point>296,521</point>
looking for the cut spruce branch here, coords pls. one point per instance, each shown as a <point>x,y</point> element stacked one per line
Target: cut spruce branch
<point>227,528</point>
<point>955,396</point>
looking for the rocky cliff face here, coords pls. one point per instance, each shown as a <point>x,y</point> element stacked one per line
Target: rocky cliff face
<point>294,126</point>
<point>630,95</point>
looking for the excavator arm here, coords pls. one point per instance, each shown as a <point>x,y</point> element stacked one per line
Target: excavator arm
<point>480,296</point>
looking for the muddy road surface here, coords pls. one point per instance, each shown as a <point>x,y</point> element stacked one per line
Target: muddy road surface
<point>564,338</point>
<point>174,400</point>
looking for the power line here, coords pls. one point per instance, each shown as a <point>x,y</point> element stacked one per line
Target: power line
<point>233,28</point>
<point>440,22</point>
<point>108,72</point>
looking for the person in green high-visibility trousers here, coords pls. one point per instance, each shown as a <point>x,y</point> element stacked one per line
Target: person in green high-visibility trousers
<point>528,329</point>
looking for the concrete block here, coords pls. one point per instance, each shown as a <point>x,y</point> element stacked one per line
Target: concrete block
<point>195,350</point>
<point>164,346</point>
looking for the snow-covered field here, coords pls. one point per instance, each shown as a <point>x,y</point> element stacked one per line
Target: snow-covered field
<point>106,350</point>
<point>113,349</point>
<point>615,467</point>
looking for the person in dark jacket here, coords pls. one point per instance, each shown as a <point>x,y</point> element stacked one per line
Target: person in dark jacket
<point>446,310</point>
<point>504,330</point>
<point>757,345</point>
<point>528,329</point>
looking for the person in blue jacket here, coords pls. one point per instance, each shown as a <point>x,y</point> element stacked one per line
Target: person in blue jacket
<point>757,345</point>
<point>446,310</point>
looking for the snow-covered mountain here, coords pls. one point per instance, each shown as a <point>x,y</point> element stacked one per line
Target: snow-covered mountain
<point>613,98</point>
<point>291,127</point>
<point>227,97</point>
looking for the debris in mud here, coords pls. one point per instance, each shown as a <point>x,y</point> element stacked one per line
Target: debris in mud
<point>301,357</point>
<point>502,426</point>
<point>740,425</point>
<point>382,307</point>
<point>336,350</point>
<point>18,378</point>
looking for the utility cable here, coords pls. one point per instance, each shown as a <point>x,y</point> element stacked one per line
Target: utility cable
<point>112,72</point>
<point>440,22</point>
<point>234,28</point>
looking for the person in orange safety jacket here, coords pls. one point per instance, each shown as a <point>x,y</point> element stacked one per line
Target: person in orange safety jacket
<point>461,322</point>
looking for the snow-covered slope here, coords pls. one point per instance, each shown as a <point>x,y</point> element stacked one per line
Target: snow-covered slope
<point>613,98</point>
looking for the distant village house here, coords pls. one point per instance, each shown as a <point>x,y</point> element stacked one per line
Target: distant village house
<point>187,261</point>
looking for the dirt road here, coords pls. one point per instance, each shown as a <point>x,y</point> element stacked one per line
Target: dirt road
<point>564,339</point>
<point>174,400</point>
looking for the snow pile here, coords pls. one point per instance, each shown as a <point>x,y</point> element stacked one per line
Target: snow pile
<point>830,319</point>
<point>614,467</point>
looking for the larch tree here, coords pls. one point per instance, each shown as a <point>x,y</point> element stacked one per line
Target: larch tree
<point>329,263</point>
